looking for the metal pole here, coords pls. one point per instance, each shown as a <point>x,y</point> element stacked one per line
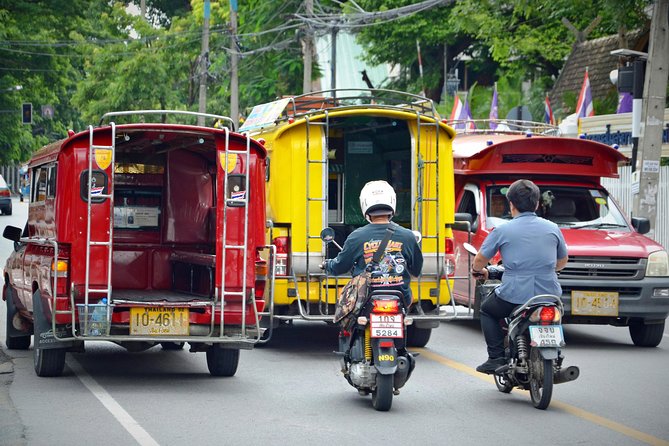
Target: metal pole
<point>234,57</point>
<point>637,103</point>
<point>655,88</point>
<point>204,62</point>
<point>308,43</point>
<point>333,60</point>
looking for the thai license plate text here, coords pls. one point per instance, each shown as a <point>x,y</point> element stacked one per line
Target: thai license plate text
<point>546,335</point>
<point>594,303</point>
<point>386,325</point>
<point>159,321</point>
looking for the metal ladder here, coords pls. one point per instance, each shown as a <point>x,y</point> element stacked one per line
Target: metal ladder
<point>321,198</point>
<point>107,242</point>
<point>242,248</point>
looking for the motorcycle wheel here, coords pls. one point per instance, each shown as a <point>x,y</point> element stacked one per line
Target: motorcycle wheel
<point>503,383</point>
<point>382,396</point>
<point>541,379</point>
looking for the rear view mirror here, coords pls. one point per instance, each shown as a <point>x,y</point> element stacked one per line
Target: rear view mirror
<point>463,222</point>
<point>327,235</point>
<point>641,224</point>
<point>12,233</point>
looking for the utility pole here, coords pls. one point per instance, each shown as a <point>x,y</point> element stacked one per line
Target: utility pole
<point>333,59</point>
<point>142,9</point>
<point>652,115</point>
<point>204,63</point>
<point>308,45</point>
<point>234,58</point>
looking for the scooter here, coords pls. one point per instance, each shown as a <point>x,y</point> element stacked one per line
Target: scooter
<point>533,343</point>
<point>370,341</point>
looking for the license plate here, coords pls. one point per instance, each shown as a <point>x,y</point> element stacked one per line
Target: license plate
<point>158,321</point>
<point>386,325</point>
<point>594,303</point>
<point>546,336</point>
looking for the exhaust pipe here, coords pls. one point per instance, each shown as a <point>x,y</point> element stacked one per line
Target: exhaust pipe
<point>566,375</point>
<point>402,373</point>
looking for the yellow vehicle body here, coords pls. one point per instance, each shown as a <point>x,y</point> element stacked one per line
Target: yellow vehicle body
<point>318,162</point>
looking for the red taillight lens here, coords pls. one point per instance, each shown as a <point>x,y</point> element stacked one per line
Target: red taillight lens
<point>261,277</point>
<point>449,257</point>
<point>60,270</point>
<point>282,248</point>
<point>4,193</point>
<point>449,246</point>
<point>385,306</point>
<point>547,314</point>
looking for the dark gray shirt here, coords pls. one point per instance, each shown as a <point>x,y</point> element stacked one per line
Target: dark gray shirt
<point>530,247</point>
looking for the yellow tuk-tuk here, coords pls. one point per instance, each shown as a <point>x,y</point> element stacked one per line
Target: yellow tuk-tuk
<point>323,147</point>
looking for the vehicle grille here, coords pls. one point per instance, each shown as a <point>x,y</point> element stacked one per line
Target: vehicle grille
<point>628,268</point>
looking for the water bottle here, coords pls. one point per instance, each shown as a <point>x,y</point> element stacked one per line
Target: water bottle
<point>97,317</point>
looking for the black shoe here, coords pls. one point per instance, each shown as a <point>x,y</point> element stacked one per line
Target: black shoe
<point>491,365</point>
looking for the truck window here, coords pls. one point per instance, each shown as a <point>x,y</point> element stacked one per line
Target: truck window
<point>39,191</point>
<point>51,182</point>
<point>468,205</point>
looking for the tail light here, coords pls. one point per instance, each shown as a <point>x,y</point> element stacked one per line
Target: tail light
<point>546,315</point>
<point>60,269</point>
<point>261,276</point>
<point>4,193</point>
<point>449,257</point>
<point>385,306</point>
<point>282,248</point>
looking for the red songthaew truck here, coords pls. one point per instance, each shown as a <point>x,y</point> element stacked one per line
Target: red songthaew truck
<point>141,234</point>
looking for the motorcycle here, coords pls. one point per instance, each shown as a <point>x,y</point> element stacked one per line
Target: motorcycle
<point>372,341</point>
<point>533,341</point>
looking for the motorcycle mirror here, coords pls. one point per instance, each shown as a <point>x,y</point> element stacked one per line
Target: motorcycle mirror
<point>418,236</point>
<point>470,249</point>
<point>327,235</point>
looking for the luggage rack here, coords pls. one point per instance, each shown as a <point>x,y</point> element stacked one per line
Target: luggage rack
<point>503,126</point>
<point>218,119</point>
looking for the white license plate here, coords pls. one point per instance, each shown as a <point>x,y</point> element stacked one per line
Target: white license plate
<point>594,303</point>
<point>386,325</point>
<point>159,321</point>
<point>546,335</point>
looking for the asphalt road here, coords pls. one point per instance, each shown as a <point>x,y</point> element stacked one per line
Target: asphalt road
<point>291,392</point>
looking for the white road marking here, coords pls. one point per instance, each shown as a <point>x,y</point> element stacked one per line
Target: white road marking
<point>123,417</point>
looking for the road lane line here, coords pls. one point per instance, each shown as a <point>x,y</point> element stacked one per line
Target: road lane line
<point>584,414</point>
<point>127,421</point>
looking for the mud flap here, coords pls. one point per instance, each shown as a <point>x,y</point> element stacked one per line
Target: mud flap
<point>549,353</point>
<point>11,312</point>
<point>44,336</point>
<point>385,358</point>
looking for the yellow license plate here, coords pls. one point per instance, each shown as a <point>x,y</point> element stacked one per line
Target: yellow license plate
<point>158,321</point>
<point>594,303</point>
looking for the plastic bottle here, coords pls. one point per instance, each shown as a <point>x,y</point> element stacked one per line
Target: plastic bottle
<point>97,317</point>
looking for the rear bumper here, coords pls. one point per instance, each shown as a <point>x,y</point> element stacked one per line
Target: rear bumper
<point>637,299</point>
<point>5,203</point>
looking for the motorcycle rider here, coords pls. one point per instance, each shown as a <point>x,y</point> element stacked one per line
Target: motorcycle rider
<point>403,257</point>
<point>533,250</point>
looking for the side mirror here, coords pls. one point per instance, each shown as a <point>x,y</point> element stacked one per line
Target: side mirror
<point>463,222</point>
<point>327,235</point>
<point>470,248</point>
<point>641,224</point>
<point>12,233</point>
<point>418,236</point>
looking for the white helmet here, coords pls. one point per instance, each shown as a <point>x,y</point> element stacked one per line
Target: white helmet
<point>377,198</point>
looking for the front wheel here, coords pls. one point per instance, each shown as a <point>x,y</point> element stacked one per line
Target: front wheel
<point>541,379</point>
<point>222,361</point>
<point>382,396</point>
<point>646,335</point>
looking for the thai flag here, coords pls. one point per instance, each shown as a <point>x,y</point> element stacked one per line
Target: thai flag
<point>548,112</point>
<point>457,109</point>
<point>584,106</point>
<point>625,101</point>
<point>493,116</point>
<point>466,115</point>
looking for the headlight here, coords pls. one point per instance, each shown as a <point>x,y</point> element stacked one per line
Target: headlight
<point>658,264</point>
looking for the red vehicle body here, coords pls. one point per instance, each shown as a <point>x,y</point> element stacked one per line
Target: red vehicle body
<point>148,227</point>
<point>615,275</point>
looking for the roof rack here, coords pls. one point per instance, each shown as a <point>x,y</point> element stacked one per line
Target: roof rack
<point>316,101</point>
<point>218,119</point>
<point>502,126</point>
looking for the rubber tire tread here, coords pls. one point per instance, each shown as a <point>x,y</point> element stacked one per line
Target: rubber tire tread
<point>222,361</point>
<point>647,335</point>
<point>382,396</point>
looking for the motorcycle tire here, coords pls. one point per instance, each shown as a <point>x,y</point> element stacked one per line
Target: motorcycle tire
<point>541,379</point>
<point>382,396</point>
<point>503,383</point>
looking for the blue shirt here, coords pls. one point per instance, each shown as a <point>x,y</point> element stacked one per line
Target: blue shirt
<point>530,247</point>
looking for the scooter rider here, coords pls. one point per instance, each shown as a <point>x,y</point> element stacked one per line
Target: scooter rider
<point>533,250</point>
<point>403,257</point>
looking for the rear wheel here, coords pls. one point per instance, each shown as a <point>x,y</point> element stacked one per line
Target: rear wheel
<point>541,379</point>
<point>382,396</point>
<point>646,335</point>
<point>49,361</point>
<point>222,361</point>
<point>14,342</point>
<point>418,337</point>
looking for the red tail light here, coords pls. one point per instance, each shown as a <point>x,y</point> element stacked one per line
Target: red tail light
<point>282,249</point>
<point>385,306</point>
<point>449,246</point>
<point>449,258</point>
<point>261,276</point>
<point>60,270</point>
<point>547,314</point>
<point>4,193</point>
